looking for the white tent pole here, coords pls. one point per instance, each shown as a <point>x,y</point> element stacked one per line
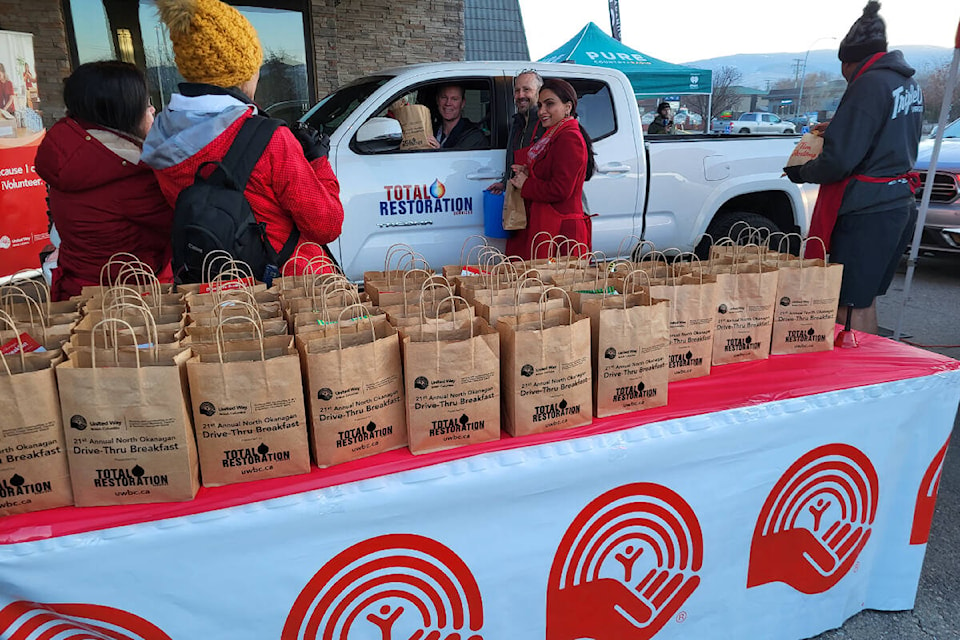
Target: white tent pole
<point>928,183</point>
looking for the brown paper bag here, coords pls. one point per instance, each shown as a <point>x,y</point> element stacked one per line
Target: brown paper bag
<point>746,295</point>
<point>451,384</point>
<point>545,375</point>
<point>248,409</point>
<point>806,310</point>
<point>693,319</point>
<point>514,210</point>
<point>33,455</point>
<point>127,421</point>
<point>809,147</point>
<point>415,123</point>
<point>354,384</point>
<point>631,345</point>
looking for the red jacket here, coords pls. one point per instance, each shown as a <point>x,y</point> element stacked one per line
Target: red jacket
<point>553,191</point>
<point>101,203</point>
<point>283,188</point>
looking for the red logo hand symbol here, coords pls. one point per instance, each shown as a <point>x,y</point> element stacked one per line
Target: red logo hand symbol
<point>606,609</point>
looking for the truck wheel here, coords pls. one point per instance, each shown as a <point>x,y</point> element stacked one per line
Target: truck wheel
<point>788,132</point>
<point>734,222</point>
<point>744,130</point>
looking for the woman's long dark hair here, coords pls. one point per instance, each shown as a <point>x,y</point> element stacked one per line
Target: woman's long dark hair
<point>568,95</point>
<point>109,93</point>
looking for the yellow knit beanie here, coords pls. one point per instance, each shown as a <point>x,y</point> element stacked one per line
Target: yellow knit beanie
<point>212,42</point>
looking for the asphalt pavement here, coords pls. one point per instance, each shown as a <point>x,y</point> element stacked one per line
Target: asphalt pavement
<point>932,319</point>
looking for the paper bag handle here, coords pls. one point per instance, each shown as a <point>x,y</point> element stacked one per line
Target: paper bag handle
<point>117,258</point>
<point>8,319</point>
<point>463,248</point>
<point>431,285</point>
<point>116,346</point>
<point>259,331</point>
<point>17,292</point>
<point>535,244</point>
<point>209,262</point>
<point>624,240</point>
<point>630,276</point>
<point>542,305</point>
<point>40,287</point>
<point>364,314</point>
<point>294,259</point>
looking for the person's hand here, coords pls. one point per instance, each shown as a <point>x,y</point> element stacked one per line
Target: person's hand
<point>496,188</point>
<point>809,562</point>
<point>793,173</point>
<point>819,128</point>
<point>518,179</point>
<point>432,141</point>
<point>315,144</point>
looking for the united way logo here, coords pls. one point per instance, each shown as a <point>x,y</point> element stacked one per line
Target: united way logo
<point>29,620</point>
<point>816,520</point>
<point>393,587</point>
<point>625,566</point>
<point>927,498</point>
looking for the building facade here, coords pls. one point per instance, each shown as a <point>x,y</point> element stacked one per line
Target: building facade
<point>310,46</point>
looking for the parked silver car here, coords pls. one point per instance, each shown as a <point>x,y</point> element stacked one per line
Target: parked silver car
<point>758,122</point>
<point>944,211</point>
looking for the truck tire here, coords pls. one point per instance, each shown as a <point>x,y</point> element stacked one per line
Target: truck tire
<point>744,130</point>
<point>733,221</point>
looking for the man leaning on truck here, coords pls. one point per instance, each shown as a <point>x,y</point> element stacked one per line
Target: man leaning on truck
<point>525,127</point>
<point>869,150</point>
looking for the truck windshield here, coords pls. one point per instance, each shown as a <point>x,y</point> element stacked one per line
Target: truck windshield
<point>952,131</point>
<point>332,110</point>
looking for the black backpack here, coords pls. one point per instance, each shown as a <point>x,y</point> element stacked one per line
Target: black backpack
<point>213,214</point>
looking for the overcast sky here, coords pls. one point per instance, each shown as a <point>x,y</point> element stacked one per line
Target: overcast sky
<point>687,30</point>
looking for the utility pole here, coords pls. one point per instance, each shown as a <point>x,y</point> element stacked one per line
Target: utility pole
<point>615,19</point>
<point>798,63</point>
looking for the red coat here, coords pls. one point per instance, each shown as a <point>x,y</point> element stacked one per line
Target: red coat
<point>283,189</point>
<point>102,204</point>
<point>553,192</point>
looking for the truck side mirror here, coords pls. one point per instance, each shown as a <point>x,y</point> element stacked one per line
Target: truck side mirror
<point>379,134</point>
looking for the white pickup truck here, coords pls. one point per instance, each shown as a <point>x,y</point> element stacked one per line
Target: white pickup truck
<point>669,190</point>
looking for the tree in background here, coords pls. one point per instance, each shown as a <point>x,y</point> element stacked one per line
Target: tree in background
<point>933,82</point>
<point>725,80</point>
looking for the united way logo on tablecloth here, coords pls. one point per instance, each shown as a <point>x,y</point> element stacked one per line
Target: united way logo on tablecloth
<point>816,520</point>
<point>927,498</point>
<point>393,587</point>
<point>32,620</point>
<point>625,566</point>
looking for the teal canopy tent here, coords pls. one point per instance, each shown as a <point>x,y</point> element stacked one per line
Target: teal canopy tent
<point>650,77</point>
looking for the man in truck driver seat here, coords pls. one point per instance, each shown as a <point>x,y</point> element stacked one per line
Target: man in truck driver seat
<point>453,131</point>
<point>525,127</point>
<point>866,209</point>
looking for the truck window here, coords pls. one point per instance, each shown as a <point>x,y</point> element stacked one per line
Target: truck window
<point>477,111</point>
<point>331,111</point>
<point>768,118</point>
<point>595,107</point>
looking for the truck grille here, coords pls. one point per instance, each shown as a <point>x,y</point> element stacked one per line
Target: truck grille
<point>944,187</point>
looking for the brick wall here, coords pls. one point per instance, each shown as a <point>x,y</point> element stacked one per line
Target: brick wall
<point>377,34</point>
<point>44,19</point>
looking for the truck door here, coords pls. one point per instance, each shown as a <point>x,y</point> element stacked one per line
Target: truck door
<point>431,199</point>
<point>614,191</point>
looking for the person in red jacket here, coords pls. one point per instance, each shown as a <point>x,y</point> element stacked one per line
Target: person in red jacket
<point>103,199</point>
<point>550,174</point>
<point>292,186</point>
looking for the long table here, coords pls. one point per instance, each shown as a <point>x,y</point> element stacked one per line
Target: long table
<point>772,499</point>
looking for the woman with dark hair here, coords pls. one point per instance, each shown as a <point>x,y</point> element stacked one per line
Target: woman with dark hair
<point>550,174</point>
<point>6,92</point>
<point>103,200</point>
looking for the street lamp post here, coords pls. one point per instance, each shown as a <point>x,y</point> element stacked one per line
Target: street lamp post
<point>803,72</point>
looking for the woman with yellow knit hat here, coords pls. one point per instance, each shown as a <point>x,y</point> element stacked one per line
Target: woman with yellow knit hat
<point>292,188</point>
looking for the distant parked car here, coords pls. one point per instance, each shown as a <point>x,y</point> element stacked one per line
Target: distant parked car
<point>944,210</point>
<point>756,122</point>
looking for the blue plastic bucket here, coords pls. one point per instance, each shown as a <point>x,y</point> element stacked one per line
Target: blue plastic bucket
<point>493,215</point>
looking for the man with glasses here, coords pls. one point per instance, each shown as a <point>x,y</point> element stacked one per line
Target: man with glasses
<point>525,128</point>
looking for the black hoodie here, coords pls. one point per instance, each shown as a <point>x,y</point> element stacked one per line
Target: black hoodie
<point>875,133</point>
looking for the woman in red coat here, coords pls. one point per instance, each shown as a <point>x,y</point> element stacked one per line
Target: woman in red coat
<point>103,200</point>
<point>550,175</point>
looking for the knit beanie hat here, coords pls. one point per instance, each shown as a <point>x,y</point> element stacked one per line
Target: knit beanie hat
<point>212,42</point>
<point>867,36</point>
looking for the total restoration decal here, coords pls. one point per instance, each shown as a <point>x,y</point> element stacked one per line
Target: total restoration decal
<point>625,566</point>
<point>391,586</point>
<point>816,520</point>
<point>418,199</point>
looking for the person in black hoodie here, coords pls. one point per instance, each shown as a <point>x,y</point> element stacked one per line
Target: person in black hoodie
<point>866,210</point>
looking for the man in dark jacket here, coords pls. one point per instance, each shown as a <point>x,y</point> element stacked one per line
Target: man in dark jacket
<point>662,123</point>
<point>869,150</point>
<point>453,131</point>
<point>525,127</point>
